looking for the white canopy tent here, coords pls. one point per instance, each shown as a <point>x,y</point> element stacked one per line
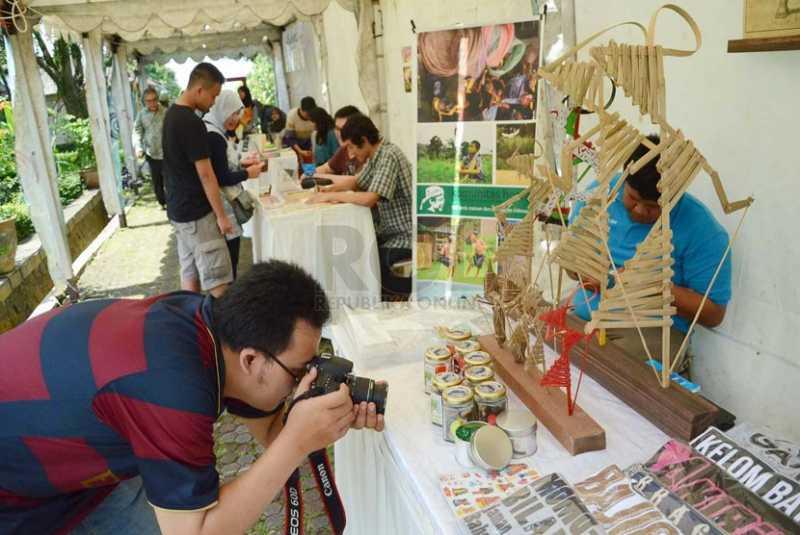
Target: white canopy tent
<point>150,30</point>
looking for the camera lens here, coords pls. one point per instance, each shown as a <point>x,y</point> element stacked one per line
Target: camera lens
<point>364,389</point>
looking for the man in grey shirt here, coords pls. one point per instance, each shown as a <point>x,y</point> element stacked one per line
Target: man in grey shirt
<point>149,125</point>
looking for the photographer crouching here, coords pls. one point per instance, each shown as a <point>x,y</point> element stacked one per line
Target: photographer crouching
<point>108,409</point>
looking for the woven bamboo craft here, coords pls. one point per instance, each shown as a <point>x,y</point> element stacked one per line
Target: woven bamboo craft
<point>642,294</point>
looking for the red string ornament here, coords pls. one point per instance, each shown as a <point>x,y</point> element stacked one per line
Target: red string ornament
<point>559,375</point>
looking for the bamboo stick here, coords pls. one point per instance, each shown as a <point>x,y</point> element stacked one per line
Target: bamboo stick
<point>647,313</point>
<point>631,324</point>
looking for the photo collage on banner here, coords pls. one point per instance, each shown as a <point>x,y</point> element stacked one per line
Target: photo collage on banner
<point>475,113</point>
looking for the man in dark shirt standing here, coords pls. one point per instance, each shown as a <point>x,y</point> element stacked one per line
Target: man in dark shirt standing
<point>194,203</point>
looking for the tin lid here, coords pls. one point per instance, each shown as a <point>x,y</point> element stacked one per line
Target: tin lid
<point>477,358</point>
<point>478,374</point>
<point>468,346</point>
<point>516,421</point>
<point>437,353</point>
<point>444,380</point>
<point>490,391</point>
<point>490,448</point>
<point>455,333</point>
<point>457,395</point>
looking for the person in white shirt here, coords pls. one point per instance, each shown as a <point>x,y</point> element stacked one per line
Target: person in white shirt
<point>299,128</point>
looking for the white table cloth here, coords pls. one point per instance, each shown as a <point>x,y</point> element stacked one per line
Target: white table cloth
<point>334,242</point>
<point>389,481</point>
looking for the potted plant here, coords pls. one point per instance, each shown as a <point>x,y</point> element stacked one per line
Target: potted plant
<point>8,239</point>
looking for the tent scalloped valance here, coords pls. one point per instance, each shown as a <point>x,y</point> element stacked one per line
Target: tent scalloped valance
<point>146,19</point>
<point>212,42</point>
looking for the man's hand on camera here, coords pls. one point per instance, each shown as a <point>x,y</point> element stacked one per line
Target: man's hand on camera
<point>366,417</point>
<point>319,421</point>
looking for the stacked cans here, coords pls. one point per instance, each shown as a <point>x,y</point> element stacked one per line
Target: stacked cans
<point>460,381</point>
<point>465,396</point>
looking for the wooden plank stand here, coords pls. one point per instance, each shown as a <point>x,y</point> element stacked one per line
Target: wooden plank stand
<point>578,433</point>
<point>676,411</point>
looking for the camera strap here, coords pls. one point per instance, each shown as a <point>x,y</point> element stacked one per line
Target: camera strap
<point>326,486</point>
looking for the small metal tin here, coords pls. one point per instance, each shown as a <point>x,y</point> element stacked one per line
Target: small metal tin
<point>490,448</point>
<point>475,375</point>
<point>477,358</point>
<point>520,425</point>
<point>491,398</point>
<point>463,440</point>
<point>457,403</point>
<point>467,346</point>
<point>437,360</point>
<point>441,382</point>
<point>455,333</point>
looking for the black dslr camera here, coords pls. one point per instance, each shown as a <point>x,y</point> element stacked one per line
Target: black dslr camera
<point>333,371</point>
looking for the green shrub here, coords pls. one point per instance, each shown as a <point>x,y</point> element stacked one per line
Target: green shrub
<point>70,188</point>
<point>18,209</point>
<point>70,159</point>
<point>79,134</point>
<point>9,185</point>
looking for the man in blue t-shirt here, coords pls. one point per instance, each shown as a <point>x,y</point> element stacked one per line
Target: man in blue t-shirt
<point>699,243</point>
<point>108,406</point>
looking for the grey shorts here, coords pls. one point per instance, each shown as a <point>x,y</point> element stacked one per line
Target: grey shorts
<point>203,253</point>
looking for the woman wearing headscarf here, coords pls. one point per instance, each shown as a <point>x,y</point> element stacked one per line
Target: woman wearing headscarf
<point>224,116</point>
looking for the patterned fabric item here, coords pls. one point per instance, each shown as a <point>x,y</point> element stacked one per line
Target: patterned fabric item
<point>388,173</point>
<point>101,392</point>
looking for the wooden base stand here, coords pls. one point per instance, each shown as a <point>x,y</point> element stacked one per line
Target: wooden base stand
<point>674,410</point>
<point>578,433</point>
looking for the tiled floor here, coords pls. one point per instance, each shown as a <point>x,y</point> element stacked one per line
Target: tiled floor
<point>141,260</point>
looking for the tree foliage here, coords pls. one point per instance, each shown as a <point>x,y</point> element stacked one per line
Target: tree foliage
<point>261,81</point>
<point>163,79</point>
<point>64,65</point>
<point>5,88</point>
<point>435,146</point>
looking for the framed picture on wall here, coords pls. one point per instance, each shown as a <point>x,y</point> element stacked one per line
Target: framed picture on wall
<point>771,18</point>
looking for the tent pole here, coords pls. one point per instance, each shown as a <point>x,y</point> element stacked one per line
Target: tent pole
<point>121,92</point>
<point>36,167</point>
<point>97,104</point>
<point>280,75</point>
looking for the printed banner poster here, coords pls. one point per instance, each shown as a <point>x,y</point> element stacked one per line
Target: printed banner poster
<point>485,73</point>
<point>476,91</point>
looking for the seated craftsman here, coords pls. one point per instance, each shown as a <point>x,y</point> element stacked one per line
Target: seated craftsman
<point>699,243</point>
<point>384,185</point>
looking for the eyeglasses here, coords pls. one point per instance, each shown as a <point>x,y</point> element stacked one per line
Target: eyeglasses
<point>295,376</point>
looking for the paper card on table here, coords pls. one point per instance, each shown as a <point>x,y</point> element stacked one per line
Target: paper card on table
<point>547,506</point>
<point>780,453</point>
<point>753,474</point>
<point>685,517</point>
<point>471,490</point>
<point>714,493</point>
<point>613,503</point>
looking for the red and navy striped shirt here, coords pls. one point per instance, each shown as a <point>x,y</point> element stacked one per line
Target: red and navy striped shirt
<point>103,391</point>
